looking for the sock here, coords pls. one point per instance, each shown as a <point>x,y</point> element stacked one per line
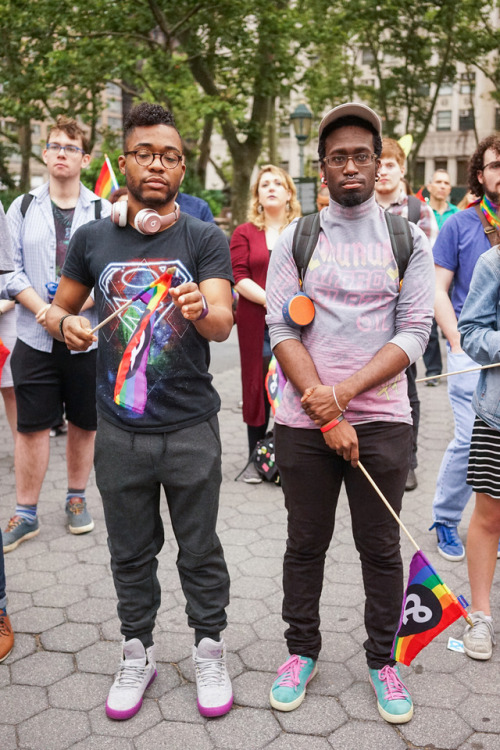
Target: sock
<point>80,494</point>
<point>488,618</point>
<point>201,634</point>
<point>28,512</point>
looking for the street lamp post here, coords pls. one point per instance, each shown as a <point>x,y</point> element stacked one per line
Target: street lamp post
<point>301,119</point>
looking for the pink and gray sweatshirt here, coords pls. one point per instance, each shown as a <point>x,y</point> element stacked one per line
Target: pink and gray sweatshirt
<point>353,281</point>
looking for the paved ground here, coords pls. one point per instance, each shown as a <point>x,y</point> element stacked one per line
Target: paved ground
<point>62,603</point>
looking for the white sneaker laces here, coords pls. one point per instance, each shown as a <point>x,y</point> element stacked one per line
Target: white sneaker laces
<point>129,675</point>
<point>210,671</point>
<point>482,629</point>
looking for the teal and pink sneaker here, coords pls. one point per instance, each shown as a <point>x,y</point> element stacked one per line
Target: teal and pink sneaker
<point>289,688</point>
<point>393,699</point>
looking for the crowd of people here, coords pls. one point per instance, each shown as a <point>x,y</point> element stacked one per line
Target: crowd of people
<point>385,272</point>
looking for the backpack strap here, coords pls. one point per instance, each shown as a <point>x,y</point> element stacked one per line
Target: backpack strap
<point>489,231</point>
<point>97,208</point>
<point>305,240</point>
<point>25,203</point>
<point>401,241</point>
<point>414,206</point>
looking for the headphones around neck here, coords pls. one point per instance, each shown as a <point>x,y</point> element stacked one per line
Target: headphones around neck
<point>147,220</point>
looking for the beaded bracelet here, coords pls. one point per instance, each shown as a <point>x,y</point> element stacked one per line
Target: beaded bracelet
<point>333,423</point>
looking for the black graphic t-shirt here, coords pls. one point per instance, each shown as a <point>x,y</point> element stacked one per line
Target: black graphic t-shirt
<point>119,263</point>
<point>63,219</point>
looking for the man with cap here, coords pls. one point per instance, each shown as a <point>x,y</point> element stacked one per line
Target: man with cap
<point>346,399</point>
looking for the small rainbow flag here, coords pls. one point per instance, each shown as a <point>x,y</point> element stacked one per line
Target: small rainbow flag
<point>428,608</point>
<point>131,382</point>
<point>106,182</point>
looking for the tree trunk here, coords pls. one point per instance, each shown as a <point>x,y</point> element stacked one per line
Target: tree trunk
<point>240,190</point>
<point>203,159</point>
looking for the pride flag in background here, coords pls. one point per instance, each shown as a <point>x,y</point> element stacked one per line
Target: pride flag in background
<point>428,608</point>
<point>131,382</point>
<point>106,182</point>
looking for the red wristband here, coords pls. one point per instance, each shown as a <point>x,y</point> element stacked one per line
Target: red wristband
<point>334,422</point>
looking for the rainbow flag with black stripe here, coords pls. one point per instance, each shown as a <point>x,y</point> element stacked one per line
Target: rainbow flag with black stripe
<point>131,382</point>
<point>428,608</point>
<point>106,182</point>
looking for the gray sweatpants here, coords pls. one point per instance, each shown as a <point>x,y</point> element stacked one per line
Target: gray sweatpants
<point>130,469</point>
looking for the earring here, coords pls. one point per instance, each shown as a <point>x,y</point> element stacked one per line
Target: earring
<point>288,205</point>
<point>260,208</point>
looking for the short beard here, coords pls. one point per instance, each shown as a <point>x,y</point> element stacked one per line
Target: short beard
<point>351,199</point>
<point>493,197</point>
<point>154,202</point>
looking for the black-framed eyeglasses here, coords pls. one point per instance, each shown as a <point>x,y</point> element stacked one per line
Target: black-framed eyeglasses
<point>494,165</point>
<point>336,161</point>
<point>55,148</point>
<point>143,157</point>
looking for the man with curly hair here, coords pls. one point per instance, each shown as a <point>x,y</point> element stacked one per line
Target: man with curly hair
<point>159,429</point>
<point>464,237</point>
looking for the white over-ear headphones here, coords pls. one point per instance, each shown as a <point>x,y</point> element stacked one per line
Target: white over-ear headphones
<point>147,220</point>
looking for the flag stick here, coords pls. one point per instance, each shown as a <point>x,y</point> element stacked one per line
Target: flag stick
<point>124,306</point>
<point>388,505</point>
<point>457,372</point>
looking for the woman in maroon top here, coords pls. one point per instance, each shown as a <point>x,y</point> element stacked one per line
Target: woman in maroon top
<point>273,206</point>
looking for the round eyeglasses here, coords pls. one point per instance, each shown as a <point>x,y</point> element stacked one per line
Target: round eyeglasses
<point>143,157</point>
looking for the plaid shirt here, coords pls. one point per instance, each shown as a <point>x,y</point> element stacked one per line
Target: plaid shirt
<point>34,244</point>
<point>427,221</point>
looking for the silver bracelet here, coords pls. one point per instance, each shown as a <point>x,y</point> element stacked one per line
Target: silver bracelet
<point>336,402</point>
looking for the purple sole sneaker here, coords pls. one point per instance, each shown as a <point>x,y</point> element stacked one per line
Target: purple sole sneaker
<point>127,714</point>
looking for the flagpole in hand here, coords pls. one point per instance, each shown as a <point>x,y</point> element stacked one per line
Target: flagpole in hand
<point>169,272</point>
<point>393,512</point>
<point>389,506</point>
<point>456,372</point>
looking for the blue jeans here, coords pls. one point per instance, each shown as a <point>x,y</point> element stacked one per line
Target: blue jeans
<point>452,491</point>
<point>3,597</point>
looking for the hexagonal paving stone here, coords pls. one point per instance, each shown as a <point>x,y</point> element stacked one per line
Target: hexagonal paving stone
<point>481,712</point>
<point>8,739</point>
<point>366,736</point>
<point>31,581</point>
<point>82,691</point>
<point>264,656</point>
<point>478,741</point>
<point>359,701</point>
<point>19,702</point>
<point>174,736</point>
<point>59,595</point>
<point>232,731</point>
<point>24,645</point>
<point>52,561</point>
<point>82,574</point>
<point>149,716</point>
<point>425,687</point>
<point>100,742</point>
<point>331,679</point>
<point>431,726</point>
<point>100,658</point>
<point>322,713</point>
<point>42,669</point>
<point>252,689</point>
<point>246,611</point>
<point>92,609</point>
<point>70,637</point>
<point>254,587</point>
<point>283,742</point>
<point>37,619</point>
<point>180,705</point>
<point>54,729</point>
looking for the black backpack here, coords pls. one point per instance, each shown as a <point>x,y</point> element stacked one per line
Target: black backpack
<point>308,228</point>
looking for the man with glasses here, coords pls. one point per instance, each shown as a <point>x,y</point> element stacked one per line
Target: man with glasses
<point>346,399</point>
<point>463,238</point>
<point>47,377</point>
<point>168,436</point>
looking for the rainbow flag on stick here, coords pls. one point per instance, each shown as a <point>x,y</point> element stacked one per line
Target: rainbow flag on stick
<point>131,382</point>
<point>106,182</point>
<point>428,608</point>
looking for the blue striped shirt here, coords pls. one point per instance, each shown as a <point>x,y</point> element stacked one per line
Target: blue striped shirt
<point>34,244</point>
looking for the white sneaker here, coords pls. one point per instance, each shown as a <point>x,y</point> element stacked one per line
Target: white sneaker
<point>215,694</point>
<point>480,638</point>
<point>137,672</point>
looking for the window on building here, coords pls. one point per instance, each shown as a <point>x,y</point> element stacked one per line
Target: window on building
<point>467,83</point>
<point>446,88</point>
<point>441,164</point>
<point>419,178</point>
<point>466,119</point>
<point>367,56</point>
<point>443,119</point>
<point>462,165</point>
<point>497,118</point>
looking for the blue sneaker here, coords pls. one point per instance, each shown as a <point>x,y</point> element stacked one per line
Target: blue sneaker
<point>449,543</point>
<point>18,530</point>
<point>80,520</point>
<point>394,702</point>
<point>289,688</point>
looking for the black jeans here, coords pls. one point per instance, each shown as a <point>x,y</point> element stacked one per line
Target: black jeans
<point>131,468</point>
<point>411,376</point>
<point>312,476</point>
